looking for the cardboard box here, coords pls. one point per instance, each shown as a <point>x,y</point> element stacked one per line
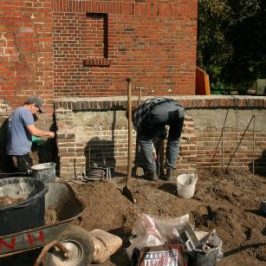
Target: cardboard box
<point>165,255</point>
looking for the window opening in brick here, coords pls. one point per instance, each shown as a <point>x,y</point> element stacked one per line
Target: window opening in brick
<point>97,40</point>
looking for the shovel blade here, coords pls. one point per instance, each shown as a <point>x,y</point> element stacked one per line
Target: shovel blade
<point>127,193</point>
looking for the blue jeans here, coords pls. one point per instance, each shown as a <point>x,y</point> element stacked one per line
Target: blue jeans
<point>169,113</point>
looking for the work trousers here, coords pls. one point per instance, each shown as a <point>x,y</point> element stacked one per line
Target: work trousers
<point>168,113</point>
<point>19,163</point>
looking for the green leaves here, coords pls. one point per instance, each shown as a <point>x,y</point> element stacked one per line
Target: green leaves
<point>231,41</point>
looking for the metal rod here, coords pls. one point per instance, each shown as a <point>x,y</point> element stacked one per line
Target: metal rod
<point>221,137</point>
<point>253,148</point>
<point>75,167</point>
<point>89,156</point>
<point>231,158</point>
<point>222,149</point>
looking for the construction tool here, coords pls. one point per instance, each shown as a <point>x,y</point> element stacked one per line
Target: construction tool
<point>159,146</point>
<point>138,170</point>
<point>222,142</point>
<point>126,191</point>
<point>240,141</point>
<point>253,147</point>
<point>139,94</point>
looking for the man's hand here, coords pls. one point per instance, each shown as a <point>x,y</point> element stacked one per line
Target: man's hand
<point>51,134</point>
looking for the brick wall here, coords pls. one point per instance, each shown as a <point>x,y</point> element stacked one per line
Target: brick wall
<point>88,48</point>
<point>97,44</point>
<point>26,53</point>
<point>218,133</point>
<point>26,59</point>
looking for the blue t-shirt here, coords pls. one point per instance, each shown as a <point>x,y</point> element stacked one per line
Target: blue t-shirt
<point>18,137</point>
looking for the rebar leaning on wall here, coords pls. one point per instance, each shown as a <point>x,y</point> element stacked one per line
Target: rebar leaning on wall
<point>221,138</point>
<point>231,158</point>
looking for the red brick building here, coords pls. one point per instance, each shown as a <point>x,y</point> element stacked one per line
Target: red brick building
<point>56,48</point>
<point>74,52</point>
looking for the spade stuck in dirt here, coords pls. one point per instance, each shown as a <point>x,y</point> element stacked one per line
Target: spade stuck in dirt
<point>126,189</point>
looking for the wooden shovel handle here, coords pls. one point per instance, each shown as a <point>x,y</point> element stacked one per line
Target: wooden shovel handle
<point>129,158</point>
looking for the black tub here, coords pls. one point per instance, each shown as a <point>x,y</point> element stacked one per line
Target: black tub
<point>29,212</point>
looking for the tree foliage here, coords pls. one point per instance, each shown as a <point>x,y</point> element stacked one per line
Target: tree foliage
<point>231,41</point>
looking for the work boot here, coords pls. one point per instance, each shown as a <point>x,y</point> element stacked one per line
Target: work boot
<point>151,176</point>
<point>170,174</point>
<point>154,177</point>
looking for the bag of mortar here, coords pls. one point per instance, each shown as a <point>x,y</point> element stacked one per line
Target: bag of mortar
<point>105,245</point>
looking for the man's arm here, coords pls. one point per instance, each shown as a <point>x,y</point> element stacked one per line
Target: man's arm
<point>40,133</point>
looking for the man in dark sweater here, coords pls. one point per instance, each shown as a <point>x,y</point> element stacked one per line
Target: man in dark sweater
<point>150,120</point>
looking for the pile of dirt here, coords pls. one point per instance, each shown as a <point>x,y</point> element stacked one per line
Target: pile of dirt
<point>6,201</point>
<point>227,203</point>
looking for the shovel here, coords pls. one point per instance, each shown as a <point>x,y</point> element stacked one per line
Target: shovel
<point>126,191</point>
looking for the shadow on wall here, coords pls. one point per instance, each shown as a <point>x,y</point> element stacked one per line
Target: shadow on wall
<point>100,152</point>
<point>45,150</point>
<point>3,140</point>
<point>42,151</point>
<point>259,165</point>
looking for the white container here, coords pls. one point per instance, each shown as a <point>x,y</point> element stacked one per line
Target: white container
<point>185,184</point>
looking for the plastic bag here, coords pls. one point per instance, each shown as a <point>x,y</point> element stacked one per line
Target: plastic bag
<point>154,231</point>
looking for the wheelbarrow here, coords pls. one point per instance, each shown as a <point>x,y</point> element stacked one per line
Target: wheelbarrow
<point>63,243</point>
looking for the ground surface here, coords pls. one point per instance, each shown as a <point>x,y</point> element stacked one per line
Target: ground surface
<point>228,203</point>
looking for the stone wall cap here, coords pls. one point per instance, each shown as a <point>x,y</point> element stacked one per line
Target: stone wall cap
<point>187,97</point>
<point>189,102</point>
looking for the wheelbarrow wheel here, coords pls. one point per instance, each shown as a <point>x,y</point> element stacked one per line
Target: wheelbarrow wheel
<point>80,247</point>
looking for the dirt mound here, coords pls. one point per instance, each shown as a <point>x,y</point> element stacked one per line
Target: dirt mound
<point>6,201</point>
<point>106,207</point>
<point>228,204</point>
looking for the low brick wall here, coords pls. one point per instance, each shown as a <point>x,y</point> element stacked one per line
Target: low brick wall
<point>220,132</point>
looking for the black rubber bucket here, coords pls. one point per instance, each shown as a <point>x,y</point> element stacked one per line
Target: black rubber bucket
<point>22,204</point>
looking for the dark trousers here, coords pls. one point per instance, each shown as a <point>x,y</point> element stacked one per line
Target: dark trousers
<point>19,163</point>
<point>170,114</point>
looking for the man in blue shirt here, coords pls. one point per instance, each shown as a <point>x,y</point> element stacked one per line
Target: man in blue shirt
<point>150,119</point>
<point>20,130</point>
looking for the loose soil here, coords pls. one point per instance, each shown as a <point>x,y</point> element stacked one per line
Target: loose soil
<point>6,201</point>
<point>228,203</point>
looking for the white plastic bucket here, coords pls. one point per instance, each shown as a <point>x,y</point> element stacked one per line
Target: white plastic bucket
<point>186,185</point>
